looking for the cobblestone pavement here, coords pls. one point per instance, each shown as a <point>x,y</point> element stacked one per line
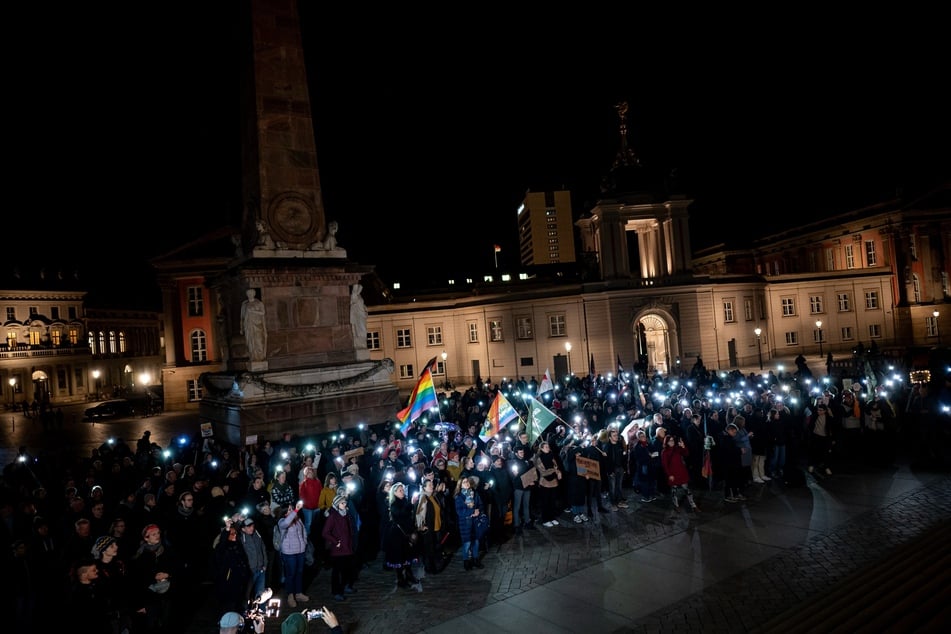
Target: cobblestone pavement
<point>726,601</point>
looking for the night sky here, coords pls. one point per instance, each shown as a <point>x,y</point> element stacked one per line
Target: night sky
<point>123,128</point>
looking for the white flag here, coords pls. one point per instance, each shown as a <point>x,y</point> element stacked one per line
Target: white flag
<point>546,385</point>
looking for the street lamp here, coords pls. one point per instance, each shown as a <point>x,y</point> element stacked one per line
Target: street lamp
<point>13,389</point>
<point>759,345</point>
<point>445,368</point>
<point>819,327</point>
<point>568,350</point>
<point>95,376</point>
<point>937,331</point>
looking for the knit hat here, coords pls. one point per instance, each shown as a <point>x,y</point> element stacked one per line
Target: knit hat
<point>354,469</point>
<point>101,545</point>
<point>338,498</point>
<point>294,624</point>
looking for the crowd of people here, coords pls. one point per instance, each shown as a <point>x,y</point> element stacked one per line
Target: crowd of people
<point>130,533</point>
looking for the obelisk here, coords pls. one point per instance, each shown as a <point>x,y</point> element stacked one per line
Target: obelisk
<point>300,367</point>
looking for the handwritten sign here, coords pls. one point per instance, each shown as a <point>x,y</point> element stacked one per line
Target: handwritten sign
<point>353,453</point>
<point>588,468</point>
<point>206,431</point>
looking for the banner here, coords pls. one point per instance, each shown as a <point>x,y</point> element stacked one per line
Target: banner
<point>588,468</point>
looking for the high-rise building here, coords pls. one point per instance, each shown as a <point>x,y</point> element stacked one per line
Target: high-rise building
<point>546,229</point>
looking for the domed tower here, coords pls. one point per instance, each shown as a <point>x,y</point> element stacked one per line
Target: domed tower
<point>641,199</point>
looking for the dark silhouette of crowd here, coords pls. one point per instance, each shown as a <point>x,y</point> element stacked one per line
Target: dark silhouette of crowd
<point>135,535</point>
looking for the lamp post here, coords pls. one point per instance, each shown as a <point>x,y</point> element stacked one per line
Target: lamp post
<point>937,330</point>
<point>445,368</point>
<point>759,345</point>
<point>13,389</point>
<point>568,350</point>
<point>95,376</point>
<point>819,327</point>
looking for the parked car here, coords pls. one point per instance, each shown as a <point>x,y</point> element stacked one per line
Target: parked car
<point>113,408</point>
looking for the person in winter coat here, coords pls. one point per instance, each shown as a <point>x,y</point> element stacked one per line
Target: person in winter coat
<point>309,490</point>
<point>398,542</point>
<point>232,573</point>
<point>468,508</point>
<point>549,477</point>
<point>644,477</point>
<point>519,466</point>
<point>615,463</point>
<point>293,547</point>
<point>256,551</point>
<point>340,538</point>
<point>673,459</point>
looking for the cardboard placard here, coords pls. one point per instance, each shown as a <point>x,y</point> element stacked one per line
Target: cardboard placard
<point>206,431</point>
<point>250,440</point>
<point>529,478</point>
<point>353,453</point>
<point>588,468</point>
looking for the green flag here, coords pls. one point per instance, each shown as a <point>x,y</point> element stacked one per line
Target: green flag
<point>541,418</point>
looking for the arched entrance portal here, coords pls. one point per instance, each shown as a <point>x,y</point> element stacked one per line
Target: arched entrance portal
<point>656,337</point>
<point>41,385</point>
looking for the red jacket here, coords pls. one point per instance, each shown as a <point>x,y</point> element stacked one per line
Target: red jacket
<point>673,460</point>
<point>310,489</point>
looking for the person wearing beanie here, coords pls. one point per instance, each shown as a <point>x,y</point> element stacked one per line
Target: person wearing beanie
<point>113,579</point>
<point>340,538</point>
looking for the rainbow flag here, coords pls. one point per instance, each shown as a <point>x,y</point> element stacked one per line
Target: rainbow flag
<point>422,399</point>
<point>500,414</point>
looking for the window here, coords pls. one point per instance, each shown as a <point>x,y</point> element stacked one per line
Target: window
<point>762,308</point>
<point>33,311</point>
<point>849,257</point>
<point>748,308</point>
<point>846,333</point>
<point>122,348</point>
<point>473,329</point>
<point>54,313</point>
<point>196,302</point>
<point>440,367</point>
<point>73,334</point>
<point>523,328</point>
<point>403,338</point>
<point>11,339</point>
<point>194,390</point>
<point>35,337</point>
<point>945,289</point>
<point>931,326</point>
<point>913,247</point>
<point>495,330</point>
<point>871,300</point>
<point>61,383</point>
<point>71,311</point>
<point>875,331</point>
<point>792,339</point>
<point>830,259</point>
<point>56,337</point>
<point>406,371</point>
<point>11,313</point>
<point>198,346</point>
<point>78,377</point>
<point>434,335</point>
<point>818,335</point>
<point>789,306</point>
<point>373,340</point>
<point>916,288</point>
<point>112,342</point>
<point>556,326</point>
<point>102,343</point>
<point>92,342</point>
<point>815,304</point>
<point>728,316</point>
<point>870,258</point>
<point>843,301</point>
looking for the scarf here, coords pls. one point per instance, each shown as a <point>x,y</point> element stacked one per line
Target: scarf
<point>547,459</point>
